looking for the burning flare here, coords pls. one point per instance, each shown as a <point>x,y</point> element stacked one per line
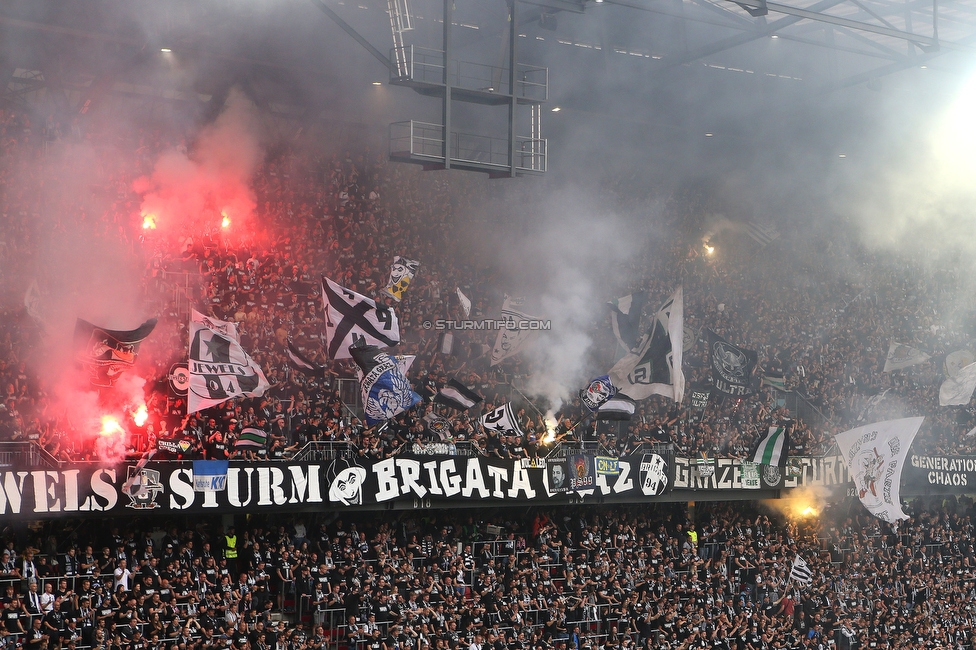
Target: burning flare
<point>141,415</point>
<point>110,426</point>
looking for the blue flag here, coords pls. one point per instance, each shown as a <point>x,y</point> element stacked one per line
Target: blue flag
<point>210,475</point>
<point>598,393</point>
<point>386,391</point>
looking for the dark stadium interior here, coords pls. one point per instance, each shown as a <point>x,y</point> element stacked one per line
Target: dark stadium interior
<point>181,179</point>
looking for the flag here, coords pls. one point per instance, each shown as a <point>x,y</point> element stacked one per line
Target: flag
<point>761,234</point>
<point>401,273</point>
<point>872,403</point>
<point>385,390</point>
<point>403,361</point>
<point>619,407</point>
<point>446,343</point>
<point>875,455</point>
<point>209,475</point>
<point>582,471</point>
<point>457,396</point>
<point>465,303</point>
<point>774,380</point>
<point>32,302</point>
<point>655,367</point>
<point>106,354</point>
<point>512,339</point>
<point>251,438</point>
<point>902,356</point>
<point>700,395</point>
<point>179,379</point>
<point>625,317</point>
<point>350,317</point>
<point>732,366</point>
<point>958,390</point>
<point>772,448</point>
<point>136,485</point>
<point>220,369</point>
<point>598,393</point>
<point>557,475</point>
<point>303,363</point>
<point>501,419</point>
<point>956,361</point>
<point>748,475</point>
<point>801,573</point>
<point>438,425</point>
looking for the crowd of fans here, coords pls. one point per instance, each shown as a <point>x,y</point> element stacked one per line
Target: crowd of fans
<point>346,215</point>
<point>718,577</point>
<point>625,578</point>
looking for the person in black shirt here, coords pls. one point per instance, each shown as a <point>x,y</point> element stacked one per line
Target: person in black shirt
<point>36,638</point>
<point>14,617</point>
<point>54,624</point>
<point>216,447</point>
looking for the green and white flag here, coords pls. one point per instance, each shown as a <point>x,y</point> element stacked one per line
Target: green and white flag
<point>772,448</point>
<point>750,475</point>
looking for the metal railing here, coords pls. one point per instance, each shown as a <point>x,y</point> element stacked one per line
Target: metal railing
<point>27,453</point>
<point>426,140</point>
<point>426,65</point>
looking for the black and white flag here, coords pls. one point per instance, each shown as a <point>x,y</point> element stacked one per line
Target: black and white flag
<point>465,303</point>
<point>625,318</point>
<point>762,234</point>
<point>875,455</point>
<point>618,407</point>
<point>801,573</point>
<point>105,354</point>
<point>401,273</point>
<point>457,396</point>
<point>303,363</point>
<point>732,366</point>
<point>220,369</point>
<point>516,335</point>
<point>351,317</point>
<point>501,419</point>
<point>654,367</point>
<point>902,356</point>
<point>441,427</point>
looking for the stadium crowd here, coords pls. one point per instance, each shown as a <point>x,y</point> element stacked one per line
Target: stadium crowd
<point>346,215</point>
<point>619,578</point>
<point>627,577</point>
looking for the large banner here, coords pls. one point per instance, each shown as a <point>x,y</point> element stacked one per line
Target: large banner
<point>939,474</point>
<point>418,481</point>
<point>429,478</point>
<point>723,474</point>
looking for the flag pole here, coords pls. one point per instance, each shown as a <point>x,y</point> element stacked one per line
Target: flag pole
<point>534,407</point>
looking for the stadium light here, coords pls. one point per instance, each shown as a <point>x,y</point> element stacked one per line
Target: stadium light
<point>165,50</point>
<point>954,139</point>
